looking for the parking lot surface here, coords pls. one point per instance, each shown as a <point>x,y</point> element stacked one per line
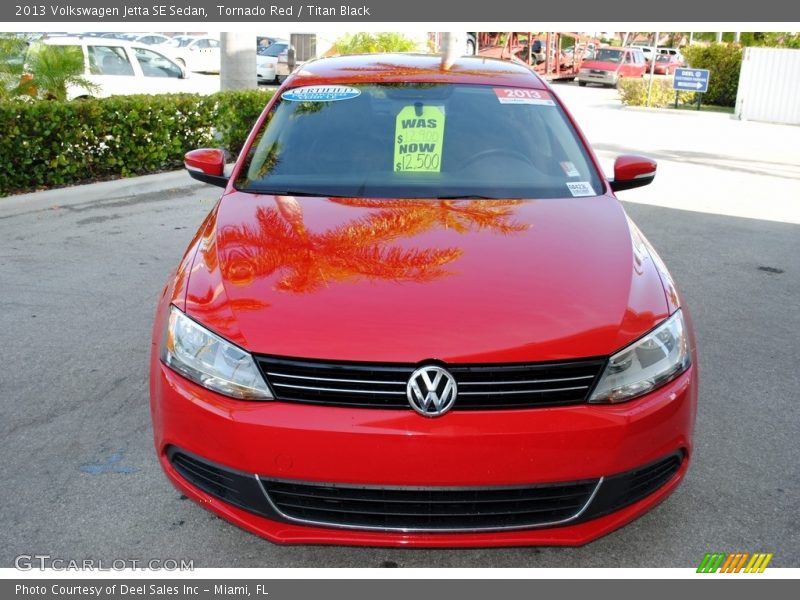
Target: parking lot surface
<point>82,269</point>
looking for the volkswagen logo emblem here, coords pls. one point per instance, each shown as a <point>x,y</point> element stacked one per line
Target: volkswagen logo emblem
<point>431,391</point>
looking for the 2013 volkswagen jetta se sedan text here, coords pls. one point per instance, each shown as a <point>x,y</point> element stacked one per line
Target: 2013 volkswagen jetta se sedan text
<point>418,316</point>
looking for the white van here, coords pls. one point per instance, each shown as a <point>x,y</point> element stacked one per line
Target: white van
<point>123,68</point>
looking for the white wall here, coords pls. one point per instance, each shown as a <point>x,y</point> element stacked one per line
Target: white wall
<point>769,86</point>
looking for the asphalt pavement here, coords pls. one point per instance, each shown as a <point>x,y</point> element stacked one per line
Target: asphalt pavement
<point>81,269</point>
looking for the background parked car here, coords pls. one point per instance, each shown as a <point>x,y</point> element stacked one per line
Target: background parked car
<point>612,64</point>
<point>666,64</point>
<point>121,68</point>
<point>674,53</point>
<point>151,39</point>
<point>272,63</point>
<point>199,54</point>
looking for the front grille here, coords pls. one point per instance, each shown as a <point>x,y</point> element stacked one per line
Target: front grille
<point>480,387</point>
<point>429,509</point>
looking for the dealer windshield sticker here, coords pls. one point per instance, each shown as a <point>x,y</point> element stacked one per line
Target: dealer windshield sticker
<point>569,169</point>
<point>418,138</point>
<point>321,93</point>
<point>523,96</point>
<point>580,188</point>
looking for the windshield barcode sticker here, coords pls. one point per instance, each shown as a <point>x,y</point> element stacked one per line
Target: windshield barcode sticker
<point>523,96</point>
<point>580,188</point>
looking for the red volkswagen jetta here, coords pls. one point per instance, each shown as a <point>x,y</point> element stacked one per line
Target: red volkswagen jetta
<point>418,316</point>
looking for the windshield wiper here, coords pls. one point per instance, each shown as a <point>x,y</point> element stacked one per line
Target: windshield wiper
<point>281,192</point>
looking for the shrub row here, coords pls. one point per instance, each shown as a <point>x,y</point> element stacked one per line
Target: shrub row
<point>49,143</point>
<point>634,92</point>
<point>724,61</point>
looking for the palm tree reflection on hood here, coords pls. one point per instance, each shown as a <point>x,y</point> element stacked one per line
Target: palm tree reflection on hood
<point>279,242</point>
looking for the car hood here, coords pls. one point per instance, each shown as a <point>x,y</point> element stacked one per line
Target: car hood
<point>411,280</point>
<point>600,65</point>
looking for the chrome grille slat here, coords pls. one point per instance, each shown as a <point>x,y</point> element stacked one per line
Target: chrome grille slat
<point>524,381</point>
<point>383,385</point>
<point>335,390</point>
<point>375,382</point>
<point>504,393</point>
<point>393,498</point>
<point>413,510</point>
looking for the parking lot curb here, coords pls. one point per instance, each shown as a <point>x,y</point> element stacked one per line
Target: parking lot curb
<point>673,111</point>
<point>103,190</point>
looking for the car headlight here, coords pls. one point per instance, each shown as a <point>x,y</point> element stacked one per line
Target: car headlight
<point>651,361</point>
<point>210,361</point>
<point>584,71</point>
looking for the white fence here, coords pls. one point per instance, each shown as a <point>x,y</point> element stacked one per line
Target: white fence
<point>769,86</point>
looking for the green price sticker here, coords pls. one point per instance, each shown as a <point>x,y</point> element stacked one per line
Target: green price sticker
<point>418,136</point>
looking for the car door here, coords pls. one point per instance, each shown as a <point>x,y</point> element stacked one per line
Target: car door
<point>206,52</point>
<point>111,68</point>
<point>213,56</point>
<point>159,73</point>
<point>640,63</point>
<point>626,67</point>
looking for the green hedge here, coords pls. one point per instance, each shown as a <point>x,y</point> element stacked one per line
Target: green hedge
<point>634,92</point>
<point>49,144</point>
<point>724,61</point>
<point>234,116</point>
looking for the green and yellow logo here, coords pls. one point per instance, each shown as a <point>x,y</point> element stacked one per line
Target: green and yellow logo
<point>734,563</point>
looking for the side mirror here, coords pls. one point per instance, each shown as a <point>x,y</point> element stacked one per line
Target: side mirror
<point>207,165</point>
<point>631,171</point>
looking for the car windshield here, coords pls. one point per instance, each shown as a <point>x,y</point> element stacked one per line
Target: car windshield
<point>608,55</point>
<point>180,42</point>
<point>420,140</point>
<point>274,50</point>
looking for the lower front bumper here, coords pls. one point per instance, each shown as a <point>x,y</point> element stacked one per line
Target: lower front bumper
<point>396,448</point>
<point>605,78</point>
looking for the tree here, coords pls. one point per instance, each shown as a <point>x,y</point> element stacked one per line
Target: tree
<point>237,69</point>
<point>370,43</point>
<point>12,57</point>
<point>724,61</point>
<point>53,70</point>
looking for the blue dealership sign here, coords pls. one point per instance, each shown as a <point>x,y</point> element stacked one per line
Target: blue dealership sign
<point>691,80</point>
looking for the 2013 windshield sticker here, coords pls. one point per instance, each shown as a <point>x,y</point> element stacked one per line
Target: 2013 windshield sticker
<point>321,93</point>
<point>418,139</point>
<point>523,96</point>
<point>580,188</point>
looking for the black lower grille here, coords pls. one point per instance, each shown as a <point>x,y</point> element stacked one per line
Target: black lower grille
<point>480,387</point>
<point>429,509</point>
<point>236,488</point>
<point>619,491</point>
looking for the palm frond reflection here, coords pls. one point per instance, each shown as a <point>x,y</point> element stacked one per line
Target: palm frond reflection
<point>279,243</point>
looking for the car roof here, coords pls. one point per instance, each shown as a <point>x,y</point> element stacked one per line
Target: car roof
<point>400,68</point>
<point>93,41</point>
<point>76,40</point>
